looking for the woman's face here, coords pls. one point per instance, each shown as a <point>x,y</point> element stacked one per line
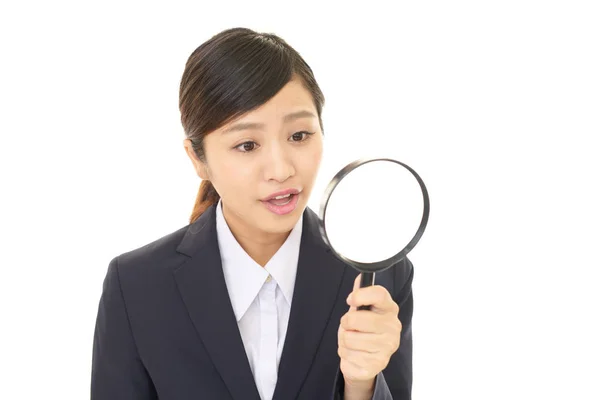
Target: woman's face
<point>275,148</point>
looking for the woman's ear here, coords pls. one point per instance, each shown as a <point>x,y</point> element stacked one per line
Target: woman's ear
<point>203,171</point>
<point>200,166</point>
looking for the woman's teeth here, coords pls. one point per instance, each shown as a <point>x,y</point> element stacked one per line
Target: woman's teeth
<point>281,200</point>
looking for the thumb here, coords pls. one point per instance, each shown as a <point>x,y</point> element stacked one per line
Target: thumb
<point>356,283</point>
<point>354,289</point>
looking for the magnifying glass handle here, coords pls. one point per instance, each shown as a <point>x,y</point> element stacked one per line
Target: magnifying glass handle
<point>366,279</point>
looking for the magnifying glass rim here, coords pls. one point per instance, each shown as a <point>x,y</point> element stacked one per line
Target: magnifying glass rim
<point>377,266</point>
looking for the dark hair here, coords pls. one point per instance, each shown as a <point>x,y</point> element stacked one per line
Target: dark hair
<point>232,73</point>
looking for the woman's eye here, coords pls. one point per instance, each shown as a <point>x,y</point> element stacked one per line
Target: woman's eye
<point>300,136</point>
<point>246,147</point>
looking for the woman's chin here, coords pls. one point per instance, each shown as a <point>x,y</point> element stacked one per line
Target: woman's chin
<point>280,223</point>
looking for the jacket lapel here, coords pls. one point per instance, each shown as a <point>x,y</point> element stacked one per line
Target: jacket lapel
<point>318,281</point>
<point>202,286</point>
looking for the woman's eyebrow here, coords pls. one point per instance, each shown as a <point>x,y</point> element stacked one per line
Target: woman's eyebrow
<point>240,126</point>
<point>298,114</point>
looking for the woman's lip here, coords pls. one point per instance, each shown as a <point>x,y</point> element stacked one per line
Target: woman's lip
<point>284,208</point>
<point>281,193</point>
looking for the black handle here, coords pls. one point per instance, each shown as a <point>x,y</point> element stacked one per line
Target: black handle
<point>366,279</point>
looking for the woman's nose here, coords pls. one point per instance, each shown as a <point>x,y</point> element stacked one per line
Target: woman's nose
<point>278,165</point>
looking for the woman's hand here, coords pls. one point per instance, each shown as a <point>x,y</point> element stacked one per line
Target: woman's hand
<point>367,339</point>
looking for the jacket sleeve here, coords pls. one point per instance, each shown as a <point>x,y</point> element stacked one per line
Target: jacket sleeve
<point>398,373</point>
<point>117,371</point>
<point>395,381</point>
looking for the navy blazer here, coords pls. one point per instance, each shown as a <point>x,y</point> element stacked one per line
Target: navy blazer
<point>166,329</point>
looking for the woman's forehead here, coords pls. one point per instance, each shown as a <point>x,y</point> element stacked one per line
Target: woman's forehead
<point>293,102</point>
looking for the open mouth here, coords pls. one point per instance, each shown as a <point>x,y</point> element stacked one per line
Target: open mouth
<point>283,204</point>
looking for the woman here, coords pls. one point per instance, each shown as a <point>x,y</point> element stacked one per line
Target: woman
<point>225,307</point>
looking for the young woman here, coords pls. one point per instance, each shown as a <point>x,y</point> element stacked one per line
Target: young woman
<point>226,307</point>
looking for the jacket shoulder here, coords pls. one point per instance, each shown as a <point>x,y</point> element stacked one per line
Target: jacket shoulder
<point>158,254</point>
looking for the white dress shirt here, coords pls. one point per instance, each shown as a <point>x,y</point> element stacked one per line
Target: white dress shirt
<point>261,299</point>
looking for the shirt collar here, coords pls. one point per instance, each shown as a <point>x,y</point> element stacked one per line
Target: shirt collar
<point>244,277</point>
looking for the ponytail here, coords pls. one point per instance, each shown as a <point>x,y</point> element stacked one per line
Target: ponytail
<point>207,196</point>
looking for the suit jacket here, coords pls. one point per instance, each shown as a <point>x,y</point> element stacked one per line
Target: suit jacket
<point>166,329</point>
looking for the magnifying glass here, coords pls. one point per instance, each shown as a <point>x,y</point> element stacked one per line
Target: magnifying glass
<point>372,214</point>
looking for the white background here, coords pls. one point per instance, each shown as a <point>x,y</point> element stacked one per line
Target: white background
<point>495,104</point>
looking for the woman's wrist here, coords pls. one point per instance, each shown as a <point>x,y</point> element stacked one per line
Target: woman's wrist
<point>359,390</point>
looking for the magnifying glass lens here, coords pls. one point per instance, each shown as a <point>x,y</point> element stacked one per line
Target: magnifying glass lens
<point>374,212</point>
